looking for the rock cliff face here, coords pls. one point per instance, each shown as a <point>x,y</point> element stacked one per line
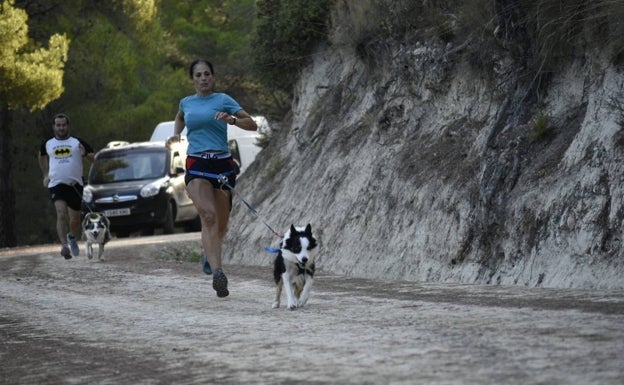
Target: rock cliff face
<point>426,168</point>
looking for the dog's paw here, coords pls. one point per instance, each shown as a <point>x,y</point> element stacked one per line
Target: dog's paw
<point>303,300</point>
<point>293,305</point>
<point>275,305</point>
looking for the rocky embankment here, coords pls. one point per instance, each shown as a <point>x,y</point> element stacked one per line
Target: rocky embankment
<point>425,168</point>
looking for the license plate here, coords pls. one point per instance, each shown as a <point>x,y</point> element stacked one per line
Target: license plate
<point>116,212</point>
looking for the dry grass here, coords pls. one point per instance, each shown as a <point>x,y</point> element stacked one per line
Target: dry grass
<point>554,30</point>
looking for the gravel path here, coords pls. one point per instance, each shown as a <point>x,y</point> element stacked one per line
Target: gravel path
<point>144,316</point>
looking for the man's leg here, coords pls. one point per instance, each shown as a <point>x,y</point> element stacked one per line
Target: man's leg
<point>62,219</point>
<point>75,231</point>
<point>74,223</point>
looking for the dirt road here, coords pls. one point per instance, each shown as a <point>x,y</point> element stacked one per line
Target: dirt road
<point>146,315</point>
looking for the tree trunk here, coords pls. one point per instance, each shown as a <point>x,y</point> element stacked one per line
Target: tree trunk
<point>7,191</point>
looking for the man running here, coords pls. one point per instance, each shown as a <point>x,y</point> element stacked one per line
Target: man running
<point>60,160</point>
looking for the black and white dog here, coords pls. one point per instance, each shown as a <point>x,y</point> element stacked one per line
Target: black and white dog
<point>294,266</point>
<point>95,227</point>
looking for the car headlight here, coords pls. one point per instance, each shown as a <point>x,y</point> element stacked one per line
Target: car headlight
<point>87,195</point>
<point>152,189</point>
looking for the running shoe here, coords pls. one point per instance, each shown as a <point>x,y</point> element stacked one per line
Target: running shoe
<point>65,251</point>
<point>219,283</point>
<point>75,250</point>
<point>205,265</point>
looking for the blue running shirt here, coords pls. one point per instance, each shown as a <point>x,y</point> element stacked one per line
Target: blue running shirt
<point>204,132</point>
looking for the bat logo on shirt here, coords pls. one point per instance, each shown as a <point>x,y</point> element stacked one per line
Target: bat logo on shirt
<point>62,152</point>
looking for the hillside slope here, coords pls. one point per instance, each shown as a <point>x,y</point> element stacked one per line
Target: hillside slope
<point>426,168</point>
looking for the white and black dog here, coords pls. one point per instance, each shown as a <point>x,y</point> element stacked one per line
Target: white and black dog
<point>294,266</point>
<point>96,228</point>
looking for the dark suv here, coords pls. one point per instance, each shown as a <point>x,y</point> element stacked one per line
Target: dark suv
<point>140,187</point>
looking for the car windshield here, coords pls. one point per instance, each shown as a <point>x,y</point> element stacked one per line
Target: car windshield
<point>123,166</point>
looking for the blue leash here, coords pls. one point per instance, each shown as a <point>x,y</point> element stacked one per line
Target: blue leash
<point>223,180</point>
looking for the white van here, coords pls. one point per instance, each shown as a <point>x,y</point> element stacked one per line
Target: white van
<point>243,143</point>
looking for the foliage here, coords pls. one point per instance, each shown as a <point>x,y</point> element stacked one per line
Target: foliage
<point>264,139</point>
<point>219,31</point>
<point>286,34</point>
<point>560,29</point>
<point>178,254</point>
<point>30,75</point>
<point>540,129</point>
<point>274,168</point>
<point>110,93</point>
<point>125,71</point>
<point>540,35</point>
<point>140,12</point>
<point>126,67</point>
<point>359,23</point>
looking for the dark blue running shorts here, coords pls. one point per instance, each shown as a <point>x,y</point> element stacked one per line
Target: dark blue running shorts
<point>225,167</point>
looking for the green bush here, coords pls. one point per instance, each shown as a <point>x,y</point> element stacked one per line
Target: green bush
<point>540,34</point>
<point>540,130</point>
<point>286,34</point>
<point>274,167</point>
<point>561,29</point>
<point>179,253</point>
<point>263,140</point>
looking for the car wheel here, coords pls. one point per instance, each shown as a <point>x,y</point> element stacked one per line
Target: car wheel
<point>147,231</point>
<point>122,233</point>
<point>168,225</point>
<point>194,224</point>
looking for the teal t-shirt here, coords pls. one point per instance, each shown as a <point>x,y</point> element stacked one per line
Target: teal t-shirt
<point>203,131</point>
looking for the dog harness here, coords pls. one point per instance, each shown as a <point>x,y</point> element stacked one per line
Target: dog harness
<point>221,178</point>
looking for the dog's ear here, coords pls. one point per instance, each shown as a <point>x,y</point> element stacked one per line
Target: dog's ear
<point>308,233</point>
<point>292,229</point>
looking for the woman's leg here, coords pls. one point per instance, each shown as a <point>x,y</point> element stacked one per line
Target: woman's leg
<point>213,208</point>
<point>223,202</point>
